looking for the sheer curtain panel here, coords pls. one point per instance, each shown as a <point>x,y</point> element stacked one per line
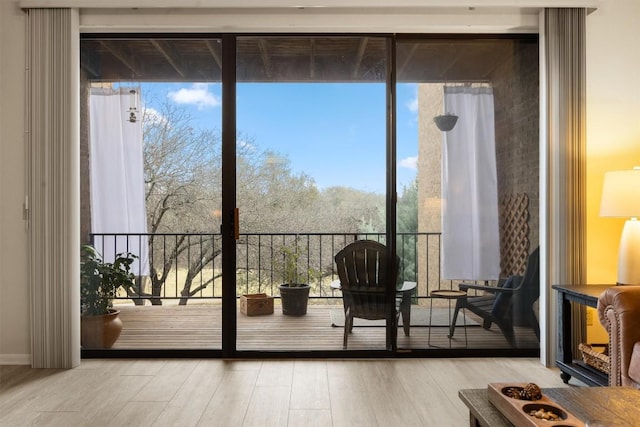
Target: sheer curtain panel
<point>117,176</point>
<point>470,235</point>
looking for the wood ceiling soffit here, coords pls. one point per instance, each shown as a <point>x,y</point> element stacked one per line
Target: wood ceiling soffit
<point>362,46</point>
<point>90,63</point>
<point>213,48</point>
<point>124,57</point>
<point>266,60</point>
<point>408,58</point>
<point>169,55</point>
<point>312,59</point>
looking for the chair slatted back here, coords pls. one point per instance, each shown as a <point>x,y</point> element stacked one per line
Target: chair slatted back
<point>364,276</point>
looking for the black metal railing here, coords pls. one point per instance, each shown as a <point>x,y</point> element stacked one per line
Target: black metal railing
<point>188,266</point>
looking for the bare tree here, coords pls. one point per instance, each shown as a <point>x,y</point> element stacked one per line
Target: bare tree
<point>182,175</point>
<point>182,166</point>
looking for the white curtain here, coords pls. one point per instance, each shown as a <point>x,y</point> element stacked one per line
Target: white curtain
<point>470,235</point>
<point>117,179</point>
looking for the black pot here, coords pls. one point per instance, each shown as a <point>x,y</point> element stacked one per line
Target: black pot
<point>294,299</point>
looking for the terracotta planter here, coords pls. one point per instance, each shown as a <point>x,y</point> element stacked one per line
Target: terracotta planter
<point>294,299</point>
<point>100,331</point>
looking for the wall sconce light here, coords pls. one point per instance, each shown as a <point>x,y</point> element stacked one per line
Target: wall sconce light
<point>445,122</point>
<point>133,106</point>
<point>620,198</point>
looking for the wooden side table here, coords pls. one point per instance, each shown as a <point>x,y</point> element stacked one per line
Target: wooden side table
<point>450,296</point>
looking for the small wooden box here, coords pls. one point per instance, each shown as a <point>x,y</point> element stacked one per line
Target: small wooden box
<point>256,304</point>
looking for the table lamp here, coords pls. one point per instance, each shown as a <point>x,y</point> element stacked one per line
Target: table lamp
<point>621,198</point>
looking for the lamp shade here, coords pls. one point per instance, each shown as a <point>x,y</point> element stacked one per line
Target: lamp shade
<point>621,194</point>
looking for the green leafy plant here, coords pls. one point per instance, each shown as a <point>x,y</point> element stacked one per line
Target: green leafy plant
<point>293,268</point>
<point>100,281</point>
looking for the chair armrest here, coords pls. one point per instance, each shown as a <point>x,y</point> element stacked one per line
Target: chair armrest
<point>492,289</point>
<point>619,313</point>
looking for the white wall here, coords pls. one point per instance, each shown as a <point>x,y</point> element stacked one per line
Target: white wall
<point>613,126</point>
<point>14,296</point>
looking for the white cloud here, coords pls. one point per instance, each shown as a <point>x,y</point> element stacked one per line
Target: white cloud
<point>409,163</point>
<point>198,94</point>
<point>412,104</point>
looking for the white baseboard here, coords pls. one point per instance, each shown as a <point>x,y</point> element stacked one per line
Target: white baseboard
<point>15,359</point>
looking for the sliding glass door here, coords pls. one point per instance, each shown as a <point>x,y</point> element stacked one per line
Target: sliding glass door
<point>151,183</point>
<point>467,144</point>
<point>318,141</point>
<point>311,178</point>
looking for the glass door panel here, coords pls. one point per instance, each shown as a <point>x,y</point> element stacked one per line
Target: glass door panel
<point>464,188</point>
<point>311,177</point>
<point>151,183</point>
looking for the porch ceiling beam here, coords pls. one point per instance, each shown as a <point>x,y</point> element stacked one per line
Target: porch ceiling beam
<point>90,63</point>
<point>213,50</point>
<point>266,59</point>
<point>407,59</point>
<point>361,49</point>
<point>312,59</point>
<point>168,54</point>
<point>123,56</point>
<point>449,65</point>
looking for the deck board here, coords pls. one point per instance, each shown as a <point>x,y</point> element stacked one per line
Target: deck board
<point>199,327</point>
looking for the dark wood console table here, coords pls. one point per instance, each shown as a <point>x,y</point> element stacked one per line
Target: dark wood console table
<point>569,367</point>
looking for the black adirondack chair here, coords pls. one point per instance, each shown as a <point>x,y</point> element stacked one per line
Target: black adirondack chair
<point>514,299</point>
<point>364,274</point>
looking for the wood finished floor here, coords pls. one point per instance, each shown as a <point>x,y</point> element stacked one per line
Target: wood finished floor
<point>199,326</point>
<point>193,392</point>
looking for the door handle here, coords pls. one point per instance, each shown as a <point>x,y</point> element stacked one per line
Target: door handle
<point>236,223</point>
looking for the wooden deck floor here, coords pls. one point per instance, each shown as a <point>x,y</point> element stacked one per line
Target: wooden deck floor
<point>199,327</point>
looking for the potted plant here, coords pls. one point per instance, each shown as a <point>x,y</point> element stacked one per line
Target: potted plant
<point>294,293</point>
<point>99,283</point>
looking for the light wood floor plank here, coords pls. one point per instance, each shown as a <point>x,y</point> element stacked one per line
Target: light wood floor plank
<point>434,407</point>
<point>350,405</point>
<point>136,414</point>
<point>310,417</point>
<point>165,384</point>
<point>269,406</point>
<point>188,404</point>
<point>411,392</point>
<point>229,403</point>
<point>276,372</point>
<point>310,389</point>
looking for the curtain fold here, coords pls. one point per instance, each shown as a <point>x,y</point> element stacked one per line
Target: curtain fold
<point>53,140</point>
<point>470,233</point>
<point>117,176</point>
<point>565,47</point>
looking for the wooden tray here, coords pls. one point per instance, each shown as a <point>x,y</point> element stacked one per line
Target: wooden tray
<point>517,411</point>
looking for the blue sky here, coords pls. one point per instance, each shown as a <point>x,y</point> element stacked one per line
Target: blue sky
<point>333,132</point>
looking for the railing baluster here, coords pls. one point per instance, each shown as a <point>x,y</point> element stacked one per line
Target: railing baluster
<point>257,264</point>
